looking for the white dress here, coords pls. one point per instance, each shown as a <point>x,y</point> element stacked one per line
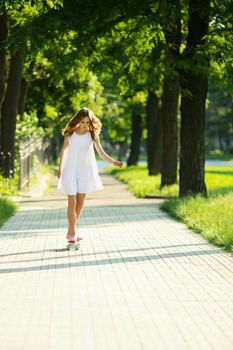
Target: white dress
<point>79,172</point>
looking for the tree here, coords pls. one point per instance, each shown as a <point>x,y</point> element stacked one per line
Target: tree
<point>3,68</point>
<point>137,106</point>
<point>16,14</point>
<point>10,110</point>
<point>194,83</point>
<point>154,133</point>
<point>147,50</point>
<point>171,90</point>
<point>135,140</point>
<point>141,71</point>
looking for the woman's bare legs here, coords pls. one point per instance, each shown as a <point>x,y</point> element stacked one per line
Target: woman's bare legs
<point>79,204</point>
<point>71,215</point>
<point>75,204</point>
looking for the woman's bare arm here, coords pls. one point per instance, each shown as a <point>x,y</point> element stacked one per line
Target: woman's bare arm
<point>103,155</point>
<point>65,145</point>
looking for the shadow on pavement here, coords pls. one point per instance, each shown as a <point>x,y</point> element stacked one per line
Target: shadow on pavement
<point>111,261</point>
<point>96,253</point>
<point>44,221</point>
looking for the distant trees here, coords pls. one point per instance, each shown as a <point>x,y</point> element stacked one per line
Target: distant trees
<point>219,120</point>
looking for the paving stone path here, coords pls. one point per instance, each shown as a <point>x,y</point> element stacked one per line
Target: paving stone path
<point>140,281</point>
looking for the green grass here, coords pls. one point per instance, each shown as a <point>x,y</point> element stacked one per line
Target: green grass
<point>219,180</point>
<point>213,155</point>
<point>7,209</point>
<point>9,186</point>
<point>140,183</point>
<point>212,216</point>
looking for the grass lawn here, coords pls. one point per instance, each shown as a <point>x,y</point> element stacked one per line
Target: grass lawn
<point>212,216</point>
<point>7,209</point>
<point>140,183</point>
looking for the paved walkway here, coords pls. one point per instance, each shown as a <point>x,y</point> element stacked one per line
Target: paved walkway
<point>140,280</point>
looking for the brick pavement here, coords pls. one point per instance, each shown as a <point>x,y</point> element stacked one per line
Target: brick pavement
<point>140,281</point>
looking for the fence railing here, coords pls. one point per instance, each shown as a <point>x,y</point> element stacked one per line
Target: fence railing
<point>32,154</point>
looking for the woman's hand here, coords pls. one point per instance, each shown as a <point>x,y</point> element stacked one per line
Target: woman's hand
<point>118,163</point>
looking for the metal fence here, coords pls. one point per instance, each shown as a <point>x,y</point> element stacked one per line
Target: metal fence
<point>32,154</point>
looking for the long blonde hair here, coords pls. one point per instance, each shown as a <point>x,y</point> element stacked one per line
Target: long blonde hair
<point>95,123</point>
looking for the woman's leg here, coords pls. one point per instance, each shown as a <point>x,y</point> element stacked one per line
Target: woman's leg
<point>71,214</point>
<point>79,204</point>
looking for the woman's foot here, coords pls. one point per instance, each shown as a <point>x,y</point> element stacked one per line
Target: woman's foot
<point>79,239</point>
<point>70,237</point>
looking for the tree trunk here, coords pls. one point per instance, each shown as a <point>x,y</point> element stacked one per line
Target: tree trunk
<point>23,95</point>
<point>121,150</point>
<point>3,68</point>
<point>154,134</point>
<point>55,145</point>
<point>170,137</point>
<point>9,113</point>
<point>220,141</point>
<point>192,136</point>
<point>169,108</point>
<point>135,140</point>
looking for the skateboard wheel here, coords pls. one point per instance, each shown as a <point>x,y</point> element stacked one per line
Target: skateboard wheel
<point>70,246</point>
<point>73,246</point>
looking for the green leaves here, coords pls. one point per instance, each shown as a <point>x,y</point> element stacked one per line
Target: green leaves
<point>28,125</point>
<point>107,54</point>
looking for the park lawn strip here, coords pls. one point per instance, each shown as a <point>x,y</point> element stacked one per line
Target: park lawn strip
<point>219,180</point>
<point>140,183</point>
<point>7,209</point>
<point>212,216</point>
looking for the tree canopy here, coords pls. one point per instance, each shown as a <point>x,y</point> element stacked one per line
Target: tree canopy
<point>113,57</point>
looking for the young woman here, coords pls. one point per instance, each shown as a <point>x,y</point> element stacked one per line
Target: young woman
<point>78,173</point>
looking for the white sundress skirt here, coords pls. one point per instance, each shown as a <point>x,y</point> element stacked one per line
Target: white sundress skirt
<point>79,172</point>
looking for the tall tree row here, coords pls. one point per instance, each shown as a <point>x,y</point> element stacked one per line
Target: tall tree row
<point>156,49</point>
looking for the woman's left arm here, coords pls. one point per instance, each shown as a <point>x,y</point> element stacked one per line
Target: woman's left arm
<point>104,155</point>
